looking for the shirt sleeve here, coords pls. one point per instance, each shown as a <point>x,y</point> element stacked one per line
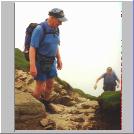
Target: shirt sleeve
<point>36,36</point>
<point>116,78</point>
<point>103,75</point>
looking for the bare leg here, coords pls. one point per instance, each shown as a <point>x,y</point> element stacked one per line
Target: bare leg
<point>48,88</point>
<point>43,91</point>
<point>38,89</point>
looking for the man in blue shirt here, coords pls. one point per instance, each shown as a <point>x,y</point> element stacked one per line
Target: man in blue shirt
<point>43,52</point>
<point>110,79</point>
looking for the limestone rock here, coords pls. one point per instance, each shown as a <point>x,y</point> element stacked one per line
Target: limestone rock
<point>57,87</point>
<point>29,80</point>
<point>63,92</point>
<point>56,108</point>
<point>87,125</point>
<point>53,96</point>
<point>85,105</point>
<point>18,85</point>
<point>80,99</point>
<point>68,110</point>
<point>23,77</point>
<point>77,119</point>
<point>27,106</point>
<point>48,124</point>
<point>87,111</point>
<point>74,111</point>
<point>64,100</point>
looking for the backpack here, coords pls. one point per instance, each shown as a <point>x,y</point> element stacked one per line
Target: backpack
<point>29,31</point>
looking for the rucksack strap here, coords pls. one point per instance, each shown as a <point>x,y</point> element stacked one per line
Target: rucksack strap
<point>45,31</point>
<point>44,27</point>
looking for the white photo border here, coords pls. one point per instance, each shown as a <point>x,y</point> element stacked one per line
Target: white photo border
<point>8,73</point>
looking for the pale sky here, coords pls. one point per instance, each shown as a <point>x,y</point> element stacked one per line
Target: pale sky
<point>90,39</point>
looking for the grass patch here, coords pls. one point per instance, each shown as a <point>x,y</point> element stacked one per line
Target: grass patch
<point>79,91</point>
<point>20,61</point>
<point>88,96</point>
<point>109,100</point>
<point>63,83</point>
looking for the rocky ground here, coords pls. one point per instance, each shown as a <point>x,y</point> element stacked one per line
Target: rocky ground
<point>67,110</point>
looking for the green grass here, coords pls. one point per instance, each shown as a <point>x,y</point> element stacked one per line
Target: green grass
<point>88,96</point>
<point>20,61</point>
<point>109,100</point>
<point>63,83</point>
<point>79,91</point>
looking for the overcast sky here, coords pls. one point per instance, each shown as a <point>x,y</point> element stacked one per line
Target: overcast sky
<point>90,39</point>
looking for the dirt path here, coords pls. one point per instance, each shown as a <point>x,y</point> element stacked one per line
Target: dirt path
<point>68,110</point>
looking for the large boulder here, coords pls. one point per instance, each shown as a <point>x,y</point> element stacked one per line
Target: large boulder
<point>27,107</point>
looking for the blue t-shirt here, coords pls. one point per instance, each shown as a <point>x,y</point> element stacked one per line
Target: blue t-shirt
<point>109,79</point>
<point>47,44</point>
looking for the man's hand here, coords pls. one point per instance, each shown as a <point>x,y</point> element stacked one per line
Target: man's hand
<point>95,86</point>
<point>117,86</point>
<point>33,70</point>
<point>59,64</point>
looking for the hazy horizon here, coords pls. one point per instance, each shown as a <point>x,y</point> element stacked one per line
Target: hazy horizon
<point>90,39</point>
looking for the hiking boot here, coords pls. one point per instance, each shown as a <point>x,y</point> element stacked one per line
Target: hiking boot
<point>47,107</point>
<point>41,99</point>
<point>45,103</point>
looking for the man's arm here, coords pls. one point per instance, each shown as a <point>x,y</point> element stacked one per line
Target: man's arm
<point>95,86</point>
<point>32,55</point>
<point>98,79</point>
<point>35,41</point>
<point>59,61</point>
<point>117,79</point>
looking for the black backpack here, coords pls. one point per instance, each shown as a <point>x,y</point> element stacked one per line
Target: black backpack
<point>29,31</point>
